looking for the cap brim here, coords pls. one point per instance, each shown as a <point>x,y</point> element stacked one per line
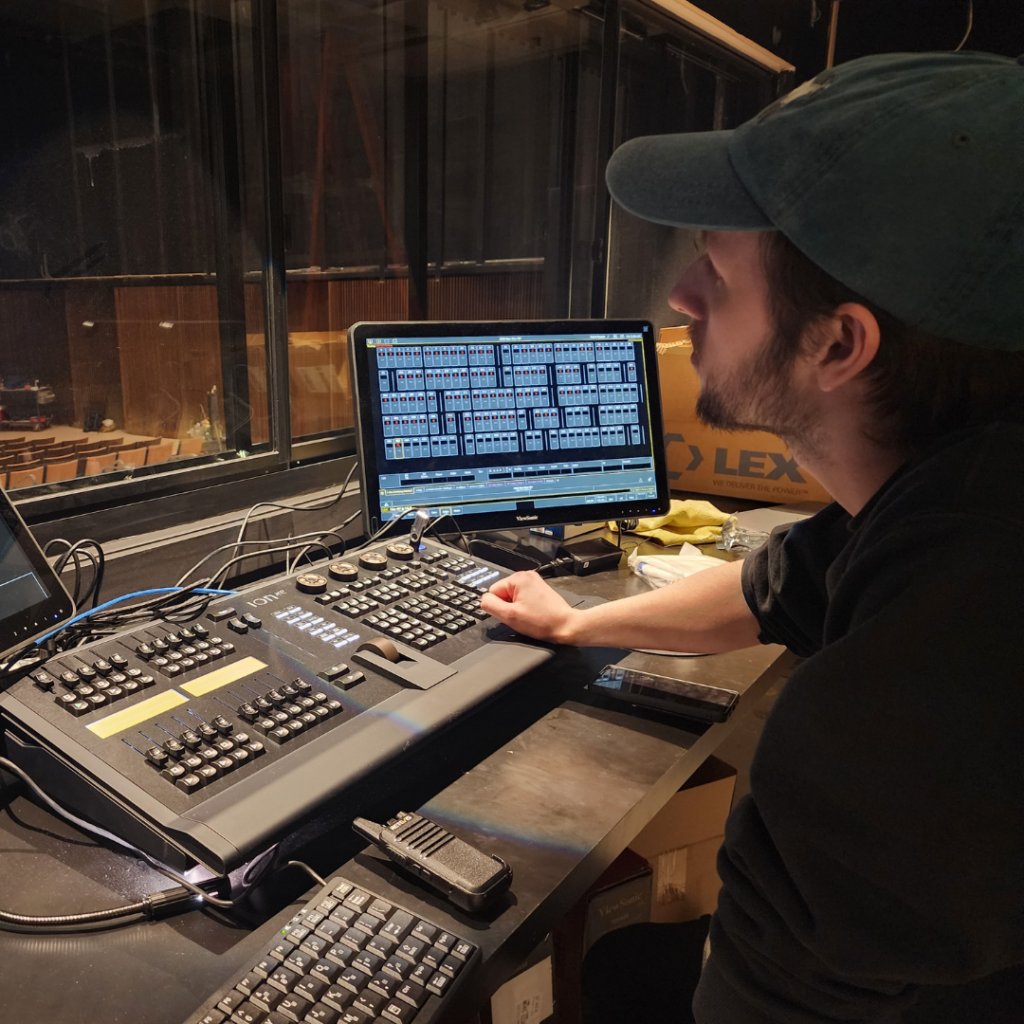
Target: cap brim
<point>684,181</point>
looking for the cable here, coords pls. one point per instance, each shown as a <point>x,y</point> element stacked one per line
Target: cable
<point>103,833</point>
<point>441,519</point>
<point>266,551</point>
<point>309,871</point>
<point>117,600</point>
<point>549,568</point>
<point>247,543</point>
<point>970,25</point>
<point>295,508</point>
<point>384,529</point>
<point>73,552</point>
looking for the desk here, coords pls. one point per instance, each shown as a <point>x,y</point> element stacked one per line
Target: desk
<point>558,798</point>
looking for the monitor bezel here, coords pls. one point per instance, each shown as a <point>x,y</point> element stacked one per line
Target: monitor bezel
<point>359,369</point>
<point>36,620</point>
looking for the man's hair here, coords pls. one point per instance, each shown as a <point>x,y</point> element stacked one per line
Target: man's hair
<point>921,386</point>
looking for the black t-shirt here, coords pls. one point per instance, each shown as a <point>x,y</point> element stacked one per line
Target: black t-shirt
<point>880,855</point>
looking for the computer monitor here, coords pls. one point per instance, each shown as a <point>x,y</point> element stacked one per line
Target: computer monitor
<point>508,424</point>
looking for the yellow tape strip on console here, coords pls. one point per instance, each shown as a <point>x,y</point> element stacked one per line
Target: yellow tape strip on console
<point>137,714</point>
<point>223,676</point>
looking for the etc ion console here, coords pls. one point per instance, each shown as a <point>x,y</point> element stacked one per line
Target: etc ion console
<point>210,740</point>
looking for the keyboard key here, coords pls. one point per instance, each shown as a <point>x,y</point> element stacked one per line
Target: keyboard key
<point>311,987</point>
<point>344,916</point>
<point>341,890</point>
<point>249,983</point>
<point>398,968</point>
<point>367,963</point>
<point>380,945</point>
<point>412,950</point>
<point>398,925</point>
<point>299,962</point>
<point>231,1002</point>
<point>330,930</point>
<point>265,966</point>
<point>284,980</point>
<point>315,946</point>
<point>438,984</point>
<point>281,950</point>
<point>248,1014</point>
<point>354,1016</point>
<point>421,974</point>
<point>294,1007</point>
<point>327,971</point>
<point>451,966</point>
<point>340,955</point>
<point>369,1002</point>
<point>433,957</point>
<point>384,984</point>
<point>425,931</point>
<point>338,998</point>
<point>414,995</point>
<point>213,1017</point>
<point>463,950</point>
<point>398,1013</point>
<point>446,941</point>
<point>355,938</point>
<point>266,997</point>
<point>354,980</point>
<point>367,923</point>
<point>380,908</point>
<point>322,1014</point>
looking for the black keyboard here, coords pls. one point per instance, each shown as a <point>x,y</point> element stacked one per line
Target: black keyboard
<point>348,957</point>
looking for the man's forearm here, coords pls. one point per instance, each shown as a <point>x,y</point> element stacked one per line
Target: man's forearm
<point>705,614</point>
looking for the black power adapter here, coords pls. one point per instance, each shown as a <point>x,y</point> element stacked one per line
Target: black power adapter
<point>589,556</point>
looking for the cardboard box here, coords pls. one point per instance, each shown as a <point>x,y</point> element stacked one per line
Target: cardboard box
<point>681,844</point>
<point>620,897</point>
<point>744,464</point>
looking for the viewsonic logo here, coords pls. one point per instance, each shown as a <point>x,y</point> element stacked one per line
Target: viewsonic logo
<point>525,519</point>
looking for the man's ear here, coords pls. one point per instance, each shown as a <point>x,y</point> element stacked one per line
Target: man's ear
<point>849,343</point>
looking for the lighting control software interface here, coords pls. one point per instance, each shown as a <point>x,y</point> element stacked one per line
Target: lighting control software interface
<point>510,424</point>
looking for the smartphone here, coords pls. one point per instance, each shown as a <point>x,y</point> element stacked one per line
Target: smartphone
<point>691,700</point>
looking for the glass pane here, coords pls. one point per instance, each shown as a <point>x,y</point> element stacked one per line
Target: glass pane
<point>129,340</point>
<point>427,135</point>
<point>669,81</point>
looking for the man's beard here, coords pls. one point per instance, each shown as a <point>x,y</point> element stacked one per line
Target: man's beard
<point>760,396</point>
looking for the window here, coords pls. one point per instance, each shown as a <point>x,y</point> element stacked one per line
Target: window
<point>199,197</point>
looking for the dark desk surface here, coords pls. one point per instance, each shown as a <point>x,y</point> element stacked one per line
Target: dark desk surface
<point>558,801</point>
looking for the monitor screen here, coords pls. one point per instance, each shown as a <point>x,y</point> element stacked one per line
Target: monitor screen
<point>32,599</point>
<point>506,425</point>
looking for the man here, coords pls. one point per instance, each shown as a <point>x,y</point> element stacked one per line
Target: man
<point>861,295</point>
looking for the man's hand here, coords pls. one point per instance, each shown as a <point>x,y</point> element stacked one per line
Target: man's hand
<point>524,602</point>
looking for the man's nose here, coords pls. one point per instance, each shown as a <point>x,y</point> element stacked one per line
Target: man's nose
<point>688,294</point>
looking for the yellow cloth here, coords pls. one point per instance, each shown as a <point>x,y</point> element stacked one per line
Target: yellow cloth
<point>694,522</point>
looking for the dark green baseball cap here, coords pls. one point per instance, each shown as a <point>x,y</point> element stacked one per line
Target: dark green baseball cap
<point>900,175</point>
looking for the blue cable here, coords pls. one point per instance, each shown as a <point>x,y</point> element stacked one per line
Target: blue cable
<point>126,597</point>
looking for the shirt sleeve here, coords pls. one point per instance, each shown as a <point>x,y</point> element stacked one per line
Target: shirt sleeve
<point>784,580</point>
